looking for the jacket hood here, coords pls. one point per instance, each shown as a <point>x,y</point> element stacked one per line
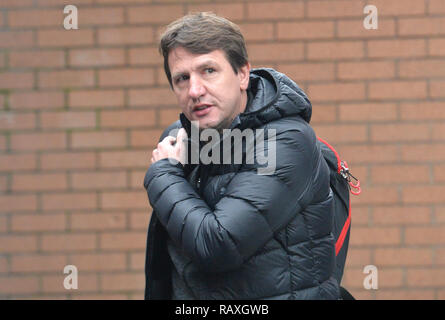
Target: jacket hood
<point>272,95</point>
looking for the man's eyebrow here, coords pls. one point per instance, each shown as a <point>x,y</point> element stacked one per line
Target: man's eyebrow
<point>206,63</point>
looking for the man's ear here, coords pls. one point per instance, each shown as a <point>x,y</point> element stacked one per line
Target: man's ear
<point>244,75</point>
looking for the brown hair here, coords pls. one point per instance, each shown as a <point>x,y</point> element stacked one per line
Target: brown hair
<point>202,33</point>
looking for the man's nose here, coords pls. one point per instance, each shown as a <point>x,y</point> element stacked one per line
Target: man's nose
<point>196,89</point>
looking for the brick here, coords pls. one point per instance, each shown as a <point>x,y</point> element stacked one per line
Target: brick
<point>15,80</point>
<point>366,236</point>
<point>336,8</point>
<point>123,240</point>
<point>355,29</point>
<point>168,116</point>
<point>37,59</point>
<point>436,7</point>
<point>436,47</point>
<point>423,152</point>
<point>154,13</point>
<point>38,141</point>
<point>426,277</point>
<point>365,70</point>
<point>66,79</point>
<point>15,203</point>
<point>38,222</point>
<point>15,4</point>
<point>429,111</point>
<point>99,221</point>
<point>438,132</point>
<point>36,100</point>
<point>17,162</point>
<point>46,3</point>
<point>125,35</point>
<point>305,30</point>
<point>275,52</point>
<point>67,120</point>
<point>437,89</point>
<point>300,72</point>
<point>439,257</point>
<point>272,10</point>
<point>122,200</point>
<point>96,57</point>
<point>378,195</point>
<point>99,180</point>
<point>137,179</point>
<point>421,26</point>
<point>402,256</point>
<point>17,121</point>
<point>19,284</point>
<point>99,261</point>
<point>434,235</point>
<point>35,18</point>
<point>399,132</point>
<point>137,261</point>
<point>421,69</point>
<point>342,133</point>
<point>396,8</point>
<point>439,173</point>
<point>155,97</point>
<point>96,98</point>
<point>231,11</point>
<point>38,182</point>
<point>369,153</point>
<point>68,160</point>
<point>139,221</point>
<point>64,38</point>
<point>125,281</point>
<point>54,284</point>
<point>400,174</point>
<point>335,50</point>
<point>68,242</point>
<point>145,138</point>
<point>323,113</point>
<point>16,39</point>
<point>405,294</point>
<point>4,268</point>
<point>127,118</point>
<point>423,194</point>
<point>368,112</point>
<point>397,90</point>
<point>18,243</point>
<point>38,263</point>
<point>396,48</point>
<point>66,201</point>
<point>257,31</point>
<point>99,139</point>
<point>336,91</point>
<point>126,77</point>
<point>145,56</point>
<point>401,215</point>
<point>101,16</point>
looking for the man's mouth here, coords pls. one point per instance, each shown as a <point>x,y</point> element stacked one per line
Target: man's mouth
<point>201,110</point>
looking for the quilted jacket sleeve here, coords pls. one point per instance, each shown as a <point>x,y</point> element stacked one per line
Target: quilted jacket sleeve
<point>253,206</point>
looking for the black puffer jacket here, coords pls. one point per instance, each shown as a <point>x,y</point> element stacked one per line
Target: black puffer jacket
<point>239,234</point>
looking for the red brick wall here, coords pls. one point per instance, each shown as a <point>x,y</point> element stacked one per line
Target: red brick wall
<point>81,110</point>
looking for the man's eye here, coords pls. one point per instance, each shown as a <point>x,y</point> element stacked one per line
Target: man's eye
<point>210,70</point>
<point>181,78</point>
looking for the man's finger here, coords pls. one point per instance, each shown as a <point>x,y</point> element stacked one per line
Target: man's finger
<point>182,135</point>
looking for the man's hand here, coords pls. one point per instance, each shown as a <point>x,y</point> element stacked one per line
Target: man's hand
<point>171,147</point>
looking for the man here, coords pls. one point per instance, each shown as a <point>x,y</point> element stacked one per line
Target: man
<point>224,231</point>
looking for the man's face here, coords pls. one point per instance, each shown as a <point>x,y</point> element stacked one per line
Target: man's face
<point>207,88</point>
